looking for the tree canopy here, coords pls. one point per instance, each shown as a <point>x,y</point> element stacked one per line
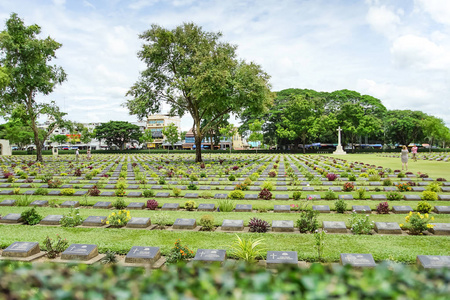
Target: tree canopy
<point>195,73</point>
<point>25,60</point>
<point>170,132</point>
<point>117,133</point>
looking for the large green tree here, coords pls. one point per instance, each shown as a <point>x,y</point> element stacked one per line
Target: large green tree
<point>17,133</point>
<point>229,131</point>
<point>25,59</point>
<point>404,126</point>
<point>170,132</point>
<point>58,138</point>
<point>434,129</point>
<point>117,133</point>
<point>195,73</point>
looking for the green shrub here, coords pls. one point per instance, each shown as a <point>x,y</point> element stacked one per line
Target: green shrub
<point>67,192</point>
<point>121,184</point>
<point>176,192</point>
<point>225,205</point>
<point>268,185</point>
<point>72,219</point>
<point>418,223</point>
<point>351,177</point>
<point>340,206</point>
<point>308,221</point>
<point>148,193</point>
<point>374,178</point>
<point>206,195</point>
<point>361,193</point>
<point>24,200</point>
<point>297,195</point>
<point>192,187</point>
<point>190,205</point>
<point>119,203</point>
<point>394,196</point>
<point>360,224</point>
<point>423,207</point>
<point>429,195</point>
<point>236,194</point>
<point>207,222</point>
<point>160,219</point>
<point>41,192</point>
<point>118,219</point>
<point>119,192</point>
<point>387,182</point>
<point>330,195</point>
<point>248,250</point>
<point>31,216</point>
<point>434,187</point>
<point>231,177</point>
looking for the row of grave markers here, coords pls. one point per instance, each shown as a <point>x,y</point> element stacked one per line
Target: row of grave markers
<point>229,225</point>
<point>151,256</point>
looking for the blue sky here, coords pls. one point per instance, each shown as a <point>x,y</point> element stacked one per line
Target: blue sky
<point>397,51</point>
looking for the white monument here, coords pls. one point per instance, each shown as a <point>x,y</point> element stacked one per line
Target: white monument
<point>339,150</point>
<point>55,151</point>
<point>5,147</point>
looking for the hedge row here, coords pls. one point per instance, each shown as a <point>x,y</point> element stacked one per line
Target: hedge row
<point>52,281</point>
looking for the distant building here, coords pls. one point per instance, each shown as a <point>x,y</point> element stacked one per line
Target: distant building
<point>156,123</point>
<point>225,143</point>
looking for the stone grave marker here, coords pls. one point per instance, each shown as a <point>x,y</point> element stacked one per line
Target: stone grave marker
<point>251,196</point>
<point>162,195</point>
<point>444,197</point>
<point>184,224</point>
<point>133,187</point>
<point>143,255</point>
<point>80,193</point>
<point>136,205</point>
<point>25,186</point>
<point>433,261</point>
<point>322,208</point>
<point>206,207</point>
<point>438,209</point>
<point>204,187</point>
<point>345,197</point>
<point>445,189</point>
<point>6,192</point>
<point>378,197</point>
<point>191,195</point>
<point>81,252</point>
<point>412,197</point>
<point>375,183</point>
<point>170,206</point>
<point>54,193</point>
<point>440,228</point>
<point>417,189</point>
<point>334,226</point>
<point>390,189</point>
<point>387,228</point>
<point>220,196</point>
<point>44,186</point>
<point>401,209</point>
<point>254,188</point>
<point>108,194</point>
<point>74,181</point>
<point>277,258</point>
<point>8,202</point>
<point>281,209</point>
<point>243,208</point>
<point>232,225</point>
<point>229,188</point>
<point>5,185</point>
<point>22,250</point>
<point>94,221</point>
<point>336,189</point>
<point>307,188</point>
<point>282,226</point>
<point>29,192</point>
<point>110,187</point>
<point>134,194</point>
<point>70,204</point>
<point>313,197</point>
<point>51,220</point>
<point>138,222</point>
<point>281,197</point>
<point>156,187</point>
<point>361,209</point>
<point>103,204</point>
<point>67,186</point>
<point>357,260</point>
<point>210,255</point>
<point>11,218</point>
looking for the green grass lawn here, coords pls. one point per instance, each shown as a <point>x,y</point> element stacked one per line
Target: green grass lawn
<point>402,248</point>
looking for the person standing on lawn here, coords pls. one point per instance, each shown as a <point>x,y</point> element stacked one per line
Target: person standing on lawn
<point>404,157</point>
<point>414,152</point>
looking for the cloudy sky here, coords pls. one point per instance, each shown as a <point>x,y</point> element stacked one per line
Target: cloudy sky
<point>397,51</point>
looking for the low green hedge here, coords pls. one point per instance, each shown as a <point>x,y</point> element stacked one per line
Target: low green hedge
<point>54,281</point>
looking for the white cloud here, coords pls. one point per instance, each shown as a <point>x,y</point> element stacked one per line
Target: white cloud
<point>383,20</point>
<point>419,52</point>
<point>439,10</point>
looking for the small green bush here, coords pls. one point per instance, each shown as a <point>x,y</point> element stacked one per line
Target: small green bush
<point>330,195</point>
<point>67,192</point>
<point>340,206</point>
<point>267,185</point>
<point>387,182</point>
<point>297,195</point>
<point>31,216</point>
<point>429,195</point>
<point>394,196</point>
<point>236,194</point>
<point>434,187</point>
<point>207,222</point>
<point>190,205</point>
<point>119,203</point>
<point>72,219</point>
<point>148,193</point>
<point>225,205</point>
<point>232,177</point>
<point>176,192</point>
<point>361,193</point>
<point>423,207</point>
<point>308,221</point>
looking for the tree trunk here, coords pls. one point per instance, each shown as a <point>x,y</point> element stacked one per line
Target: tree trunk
<point>198,142</point>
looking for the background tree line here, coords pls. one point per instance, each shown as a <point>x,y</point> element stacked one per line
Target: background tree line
<point>301,116</point>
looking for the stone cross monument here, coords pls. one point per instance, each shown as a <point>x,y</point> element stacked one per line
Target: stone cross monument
<point>339,149</point>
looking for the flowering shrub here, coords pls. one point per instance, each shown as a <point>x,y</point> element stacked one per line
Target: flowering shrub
<point>411,183</point>
<point>403,187</point>
<point>179,253</point>
<point>308,221</point>
<point>94,191</point>
<point>152,204</point>
<point>72,219</point>
<point>118,219</point>
<point>258,225</point>
<point>360,224</point>
<point>77,173</point>
<point>394,196</point>
<point>54,183</point>
<point>418,223</point>
<point>383,208</point>
<point>348,187</point>
<point>7,174</point>
<point>423,175</point>
<point>441,179</point>
<point>423,207</point>
<point>265,194</point>
<point>235,168</point>
<point>241,187</point>
<point>272,174</point>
